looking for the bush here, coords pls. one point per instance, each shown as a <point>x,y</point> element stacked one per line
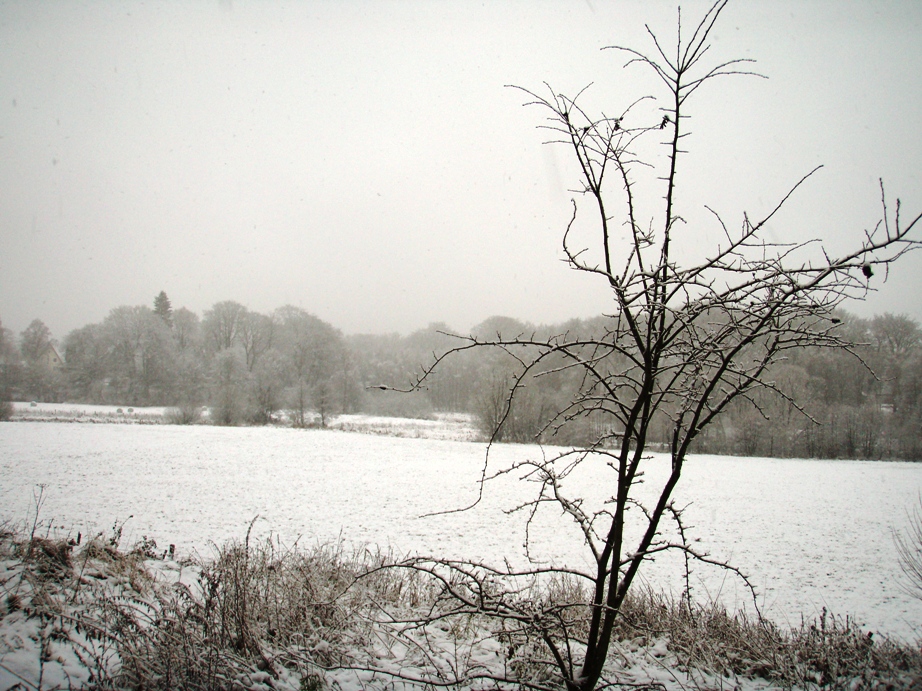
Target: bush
<point>909,547</point>
<point>6,409</point>
<point>186,414</point>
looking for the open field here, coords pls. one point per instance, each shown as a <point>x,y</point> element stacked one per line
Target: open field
<point>811,534</point>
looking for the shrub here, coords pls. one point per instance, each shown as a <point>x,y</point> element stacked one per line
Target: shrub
<point>185,414</point>
<point>909,547</point>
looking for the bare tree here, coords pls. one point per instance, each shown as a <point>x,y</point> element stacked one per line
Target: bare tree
<point>909,548</point>
<point>186,329</point>
<point>686,339</point>
<point>139,354</point>
<point>35,341</point>
<point>8,363</point>
<point>228,394</point>
<point>895,340</point>
<point>86,353</point>
<point>255,334</point>
<point>896,335</point>
<point>222,324</point>
<point>267,382</point>
<point>39,376</point>
<point>311,348</point>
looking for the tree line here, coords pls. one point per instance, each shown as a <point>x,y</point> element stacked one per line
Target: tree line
<point>246,367</point>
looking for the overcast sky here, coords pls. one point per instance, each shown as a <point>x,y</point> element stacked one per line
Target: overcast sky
<point>364,161</point>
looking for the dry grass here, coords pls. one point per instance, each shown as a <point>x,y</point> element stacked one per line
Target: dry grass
<point>709,645</point>
<point>830,652</point>
<point>254,613</point>
<point>259,615</point>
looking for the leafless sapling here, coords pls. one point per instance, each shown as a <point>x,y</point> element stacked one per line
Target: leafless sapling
<point>685,339</point>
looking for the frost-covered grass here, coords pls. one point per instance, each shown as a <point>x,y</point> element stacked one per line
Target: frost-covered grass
<point>86,413</point>
<point>446,426</point>
<point>258,614</point>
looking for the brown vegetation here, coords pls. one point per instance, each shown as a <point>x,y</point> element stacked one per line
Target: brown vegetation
<point>261,615</point>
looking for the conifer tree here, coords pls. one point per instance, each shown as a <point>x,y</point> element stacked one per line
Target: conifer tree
<point>163,308</point>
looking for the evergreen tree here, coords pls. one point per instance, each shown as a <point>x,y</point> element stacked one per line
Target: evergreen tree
<point>163,308</point>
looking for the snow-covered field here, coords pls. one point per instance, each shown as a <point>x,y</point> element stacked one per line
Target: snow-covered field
<point>85,412</point>
<point>811,534</point>
<point>456,426</point>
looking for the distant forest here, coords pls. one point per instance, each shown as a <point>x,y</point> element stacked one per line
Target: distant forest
<point>247,368</point>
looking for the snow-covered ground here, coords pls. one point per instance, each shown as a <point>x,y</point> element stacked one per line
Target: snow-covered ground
<point>122,594</point>
<point>811,534</point>
<point>85,412</point>
<point>456,426</point>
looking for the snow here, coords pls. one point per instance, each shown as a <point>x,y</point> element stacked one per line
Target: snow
<point>39,653</point>
<point>49,652</point>
<point>454,426</point>
<point>811,534</point>
<point>85,412</point>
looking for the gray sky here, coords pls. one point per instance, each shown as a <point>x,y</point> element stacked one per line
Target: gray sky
<point>364,161</point>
